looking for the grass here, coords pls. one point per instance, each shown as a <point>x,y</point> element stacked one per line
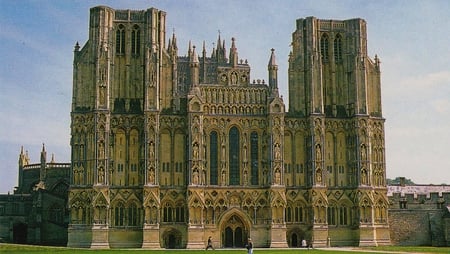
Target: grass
<point>411,249</point>
<point>15,248</point>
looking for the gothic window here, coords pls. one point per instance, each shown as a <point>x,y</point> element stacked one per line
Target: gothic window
<point>119,215</point>
<point>288,214</point>
<point>120,40</point>
<point>338,49</point>
<point>254,157</point>
<point>332,212</point>
<point>343,215</point>
<point>324,47</point>
<point>179,213</point>
<point>213,161</point>
<point>167,213</point>
<point>299,214</point>
<point>133,215</point>
<point>234,156</point>
<point>135,40</point>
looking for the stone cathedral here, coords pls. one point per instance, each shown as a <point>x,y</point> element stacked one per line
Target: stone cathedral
<point>168,150</point>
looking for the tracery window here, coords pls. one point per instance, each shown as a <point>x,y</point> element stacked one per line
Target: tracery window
<point>133,215</point>
<point>324,47</point>
<point>343,215</point>
<point>213,160</point>
<point>234,156</point>
<point>295,213</point>
<point>338,49</point>
<point>332,214</point>
<point>167,213</point>
<point>254,157</point>
<point>120,40</point>
<point>179,213</point>
<point>135,40</point>
<point>119,215</point>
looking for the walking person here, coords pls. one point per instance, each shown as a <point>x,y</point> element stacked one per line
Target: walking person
<point>209,245</point>
<point>249,246</point>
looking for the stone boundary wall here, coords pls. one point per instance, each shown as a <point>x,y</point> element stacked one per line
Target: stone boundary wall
<point>417,227</point>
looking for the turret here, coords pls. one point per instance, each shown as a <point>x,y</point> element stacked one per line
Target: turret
<point>189,50</point>
<point>233,54</point>
<point>22,158</point>
<point>272,67</point>
<point>194,68</point>
<point>22,162</point>
<point>203,66</point>
<point>220,51</point>
<point>173,48</point>
<point>43,164</point>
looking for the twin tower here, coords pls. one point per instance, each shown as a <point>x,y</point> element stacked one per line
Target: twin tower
<point>168,150</point>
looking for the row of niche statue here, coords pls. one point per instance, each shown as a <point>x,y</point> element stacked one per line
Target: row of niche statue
<point>196,179</point>
<point>219,96</point>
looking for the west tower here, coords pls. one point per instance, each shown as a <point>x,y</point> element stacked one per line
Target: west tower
<point>335,96</point>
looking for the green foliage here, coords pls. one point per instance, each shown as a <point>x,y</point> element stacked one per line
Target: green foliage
<point>397,180</point>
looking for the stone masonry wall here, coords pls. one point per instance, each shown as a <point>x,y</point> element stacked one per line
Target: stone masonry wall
<point>416,227</point>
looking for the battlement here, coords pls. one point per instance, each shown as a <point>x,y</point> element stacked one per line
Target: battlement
<point>419,196</point>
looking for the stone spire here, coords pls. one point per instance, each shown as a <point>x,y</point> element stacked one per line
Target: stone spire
<point>22,158</point>
<point>194,66</point>
<point>189,49</point>
<point>42,171</point>
<point>272,67</point>
<point>233,53</point>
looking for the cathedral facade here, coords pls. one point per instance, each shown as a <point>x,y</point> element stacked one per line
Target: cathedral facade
<point>168,150</point>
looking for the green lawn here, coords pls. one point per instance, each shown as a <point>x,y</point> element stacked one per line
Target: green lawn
<point>13,248</point>
<point>416,249</point>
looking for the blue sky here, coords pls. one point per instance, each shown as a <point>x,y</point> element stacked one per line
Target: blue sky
<point>410,37</point>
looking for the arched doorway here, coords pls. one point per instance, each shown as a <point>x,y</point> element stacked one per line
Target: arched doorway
<point>235,233</point>
<point>295,237</point>
<point>172,239</point>
<point>20,233</point>
<point>294,240</point>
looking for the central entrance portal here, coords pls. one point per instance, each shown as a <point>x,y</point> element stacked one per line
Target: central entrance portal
<point>234,234</point>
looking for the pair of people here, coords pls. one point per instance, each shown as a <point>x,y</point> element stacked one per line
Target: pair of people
<point>249,245</point>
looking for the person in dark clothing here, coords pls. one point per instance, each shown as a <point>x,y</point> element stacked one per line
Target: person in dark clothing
<point>249,246</point>
<point>209,245</point>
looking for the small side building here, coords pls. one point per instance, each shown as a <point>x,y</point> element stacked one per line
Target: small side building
<point>419,214</point>
<point>36,213</point>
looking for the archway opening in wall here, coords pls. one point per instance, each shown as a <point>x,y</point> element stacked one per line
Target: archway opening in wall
<point>295,237</point>
<point>172,239</point>
<point>235,233</point>
<point>172,242</point>
<point>20,233</point>
<point>294,241</point>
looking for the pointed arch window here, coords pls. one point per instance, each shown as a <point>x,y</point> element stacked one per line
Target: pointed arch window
<point>213,160</point>
<point>234,152</point>
<point>133,214</point>
<point>338,49</point>
<point>135,40</point>
<point>331,214</point>
<point>254,157</point>
<point>324,47</point>
<point>167,213</point>
<point>120,40</point>
<point>119,215</point>
<point>343,215</point>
